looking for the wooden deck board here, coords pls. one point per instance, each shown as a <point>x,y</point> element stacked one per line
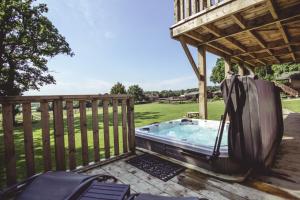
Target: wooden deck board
<point>194,183</point>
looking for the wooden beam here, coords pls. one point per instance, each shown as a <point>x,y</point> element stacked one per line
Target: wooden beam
<point>261,42</point>
<point>190,58</point>
<point>273,45</point>
<point>279,53</point>
<point>238,19</point>
<point>202,83</point>
<point>273,10</point>
<point>237,44</point>
<point>260,22</point>
<point>216,48</point>
<point>214,30</point>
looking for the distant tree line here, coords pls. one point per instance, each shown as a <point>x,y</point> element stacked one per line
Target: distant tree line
<point>145,96</point>
<point>267,72</point>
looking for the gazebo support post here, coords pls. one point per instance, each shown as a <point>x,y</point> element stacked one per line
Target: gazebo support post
<point>202,82</point>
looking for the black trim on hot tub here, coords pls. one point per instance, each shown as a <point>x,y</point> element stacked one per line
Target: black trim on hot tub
<point>206,150</point>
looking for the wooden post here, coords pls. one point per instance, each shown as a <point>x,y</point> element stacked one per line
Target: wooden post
<point>28,139</point>
<point>106,127</point>
<point>242,69</point>
<point>83,131</point>
<point>59,135</point>
<point>124,126</point>
<point>202,82</point>
<point>116,128</point>
<point>95,122</point>
<point>71,135</point>
<point>131,126</point>
<point>46,136</point>
<point>227,63</point>
<point>9,145</point>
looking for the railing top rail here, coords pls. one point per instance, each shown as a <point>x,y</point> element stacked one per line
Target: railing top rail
<point>15,99</point>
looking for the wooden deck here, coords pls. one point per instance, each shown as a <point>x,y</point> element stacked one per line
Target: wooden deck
<point>193,183</point>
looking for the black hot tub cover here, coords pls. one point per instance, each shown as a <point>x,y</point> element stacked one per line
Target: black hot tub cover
<point>256,123</point>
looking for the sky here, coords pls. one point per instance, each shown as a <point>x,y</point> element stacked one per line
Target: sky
<point>125,41</point>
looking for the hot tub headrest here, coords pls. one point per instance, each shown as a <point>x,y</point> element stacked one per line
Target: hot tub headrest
<point>256,123</point>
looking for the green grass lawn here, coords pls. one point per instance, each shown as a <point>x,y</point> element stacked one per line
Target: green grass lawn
<point>291,104</point>
<point>144,114</point>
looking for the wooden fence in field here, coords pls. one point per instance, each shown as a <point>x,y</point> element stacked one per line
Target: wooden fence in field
<point>186,8</point>
<point>63,130</point>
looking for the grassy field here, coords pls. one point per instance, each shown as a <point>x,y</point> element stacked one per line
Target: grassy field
<point>292,105</point>
<point>144,114</point>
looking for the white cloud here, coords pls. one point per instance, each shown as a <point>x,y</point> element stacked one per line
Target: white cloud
<point>80,87</point>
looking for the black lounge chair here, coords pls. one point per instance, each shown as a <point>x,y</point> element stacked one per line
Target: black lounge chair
<point>73,186</point>
<point>57,185</point>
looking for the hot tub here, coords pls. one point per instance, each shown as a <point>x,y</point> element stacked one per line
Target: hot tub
<point>190,141</point>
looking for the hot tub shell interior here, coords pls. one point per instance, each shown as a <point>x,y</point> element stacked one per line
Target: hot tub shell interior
<point>196,156</point>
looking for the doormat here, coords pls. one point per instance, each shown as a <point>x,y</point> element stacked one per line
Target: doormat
<point>155,166</point>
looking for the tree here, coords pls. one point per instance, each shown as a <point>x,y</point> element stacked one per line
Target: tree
<point>118,88</point>
<point>137,92</point>
<point>272,72</point>
<point>218,72</point>
<point>27,40</point>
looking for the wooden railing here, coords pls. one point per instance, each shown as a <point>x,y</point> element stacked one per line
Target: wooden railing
<point>286,89</point>
<point>60,128</point>
<point>186,8</point>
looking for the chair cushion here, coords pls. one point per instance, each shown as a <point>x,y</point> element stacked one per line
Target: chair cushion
<point>52,185</point>
<point>108,191</point>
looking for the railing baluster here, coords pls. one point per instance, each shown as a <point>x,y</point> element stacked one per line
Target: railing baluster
<point>124,126</point>
<point>46,136</point>
<point>9,145</point>
<point>83,130</point>
<point>59,135</point>
<point>182,16</point>
<point>95,122</point>
<point>187,8</point>
<point>28,139</point>
<point>194,7</point>
<point>208,3</point>
<point>116,129</point>
<point>176,11</point>
<point>71,135</point>
<point>131,128</point>
<point>106,128</point>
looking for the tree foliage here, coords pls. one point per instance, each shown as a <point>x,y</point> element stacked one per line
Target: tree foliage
<point>273,72</point>
<point>118,88</point>
<point>218,72</point>
<point>27,40</point>
<point>137,92</point>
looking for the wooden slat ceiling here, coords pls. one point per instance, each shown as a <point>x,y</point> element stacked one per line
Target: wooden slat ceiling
<point>264,34</point>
